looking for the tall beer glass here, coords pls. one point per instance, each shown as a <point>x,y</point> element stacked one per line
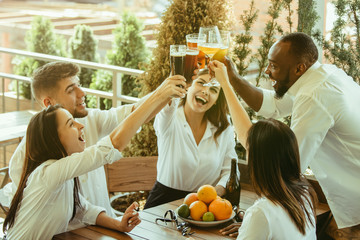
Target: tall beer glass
<point>223,51</point>
<point>192,55</point>
<point>177,59</point>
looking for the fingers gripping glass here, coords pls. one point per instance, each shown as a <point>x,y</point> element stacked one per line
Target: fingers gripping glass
<point>183,227</point>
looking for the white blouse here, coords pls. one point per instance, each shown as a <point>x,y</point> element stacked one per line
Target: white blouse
<point>47,204</point>
<point>184,165</point>
<point>98,123</point>
<point>266,220</point>
<point>324,103</point>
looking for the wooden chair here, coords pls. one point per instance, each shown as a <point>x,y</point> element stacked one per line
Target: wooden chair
<point>131,174</point>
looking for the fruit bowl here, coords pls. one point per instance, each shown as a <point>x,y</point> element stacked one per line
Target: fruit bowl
<point>205,224</point>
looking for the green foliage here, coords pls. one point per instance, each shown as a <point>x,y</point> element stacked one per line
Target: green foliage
<point>242,50</point>
<point>287,6</point>
<point>128,50</point>
<point>182,17</point>
<point>307,16</point>
<point>268,38</point>
<point>102,80</point>
<point>83,46</point>
<point>42,39</point>
<point>343,48</point>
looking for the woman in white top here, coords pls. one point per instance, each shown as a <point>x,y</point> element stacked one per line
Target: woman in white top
<point>48,197</point>
<point>195,143</point>
<point>285,209</point>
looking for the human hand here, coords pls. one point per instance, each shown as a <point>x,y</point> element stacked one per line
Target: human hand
<point>172,87</point>
<point>196,71</point>
<point>220,190</point>
<point>220,72</point>
<point>231,230</point>
<point>130,218</point>
<point>231,69</point>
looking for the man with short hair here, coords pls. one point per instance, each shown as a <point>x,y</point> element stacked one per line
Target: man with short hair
<point>58,83</point>
<point>324,105</point>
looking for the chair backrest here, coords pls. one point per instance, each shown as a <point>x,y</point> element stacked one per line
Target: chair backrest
<point>131,174</point>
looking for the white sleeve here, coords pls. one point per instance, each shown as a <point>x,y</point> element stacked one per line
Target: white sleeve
<point>88,212</point>
<point>254,226</point>
<point>275,108</point>
<point>107,120</point>
<point>165,117</point>
<point>78,164</point>
<point>229,154</point>
<point>310,122</point>
<point>16,163</point>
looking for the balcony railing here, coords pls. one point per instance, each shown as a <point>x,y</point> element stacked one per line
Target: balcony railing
<point>115,95</point>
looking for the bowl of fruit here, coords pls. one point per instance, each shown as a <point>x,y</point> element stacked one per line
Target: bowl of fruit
<point>205,208</point>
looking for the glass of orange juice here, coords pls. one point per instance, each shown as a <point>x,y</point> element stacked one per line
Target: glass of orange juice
<point>223,51</point>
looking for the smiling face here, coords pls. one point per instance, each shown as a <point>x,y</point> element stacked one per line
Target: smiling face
<point>201,98</point>
<point>69,95</point>
<point>282,68</point>
<point>70,132</point>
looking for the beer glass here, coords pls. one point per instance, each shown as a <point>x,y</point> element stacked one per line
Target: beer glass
<point>177,59</point>
<point>193,55</point>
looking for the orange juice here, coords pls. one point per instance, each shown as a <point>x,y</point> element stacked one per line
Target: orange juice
<point>209,50</point>
<point>220,55</point>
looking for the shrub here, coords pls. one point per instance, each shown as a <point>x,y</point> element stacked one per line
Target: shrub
<point>83,46</point>
<point>128,50</point>
<point>42,39</point>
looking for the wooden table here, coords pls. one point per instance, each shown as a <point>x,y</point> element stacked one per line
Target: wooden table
<point>148,229</point>
<point>13,126</point>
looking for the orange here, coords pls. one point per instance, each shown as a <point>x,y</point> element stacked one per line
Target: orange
<point>197,210</point>
<point>206,193</point>
<point>221,208</point>
<point>190,198</point>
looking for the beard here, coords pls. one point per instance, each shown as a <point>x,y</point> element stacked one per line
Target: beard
<point>80,114</point>
<point>282,86</point>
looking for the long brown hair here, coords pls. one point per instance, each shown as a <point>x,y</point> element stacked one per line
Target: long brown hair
<point>218,113</point>
<point>274,164</point>
<point>42,144</point>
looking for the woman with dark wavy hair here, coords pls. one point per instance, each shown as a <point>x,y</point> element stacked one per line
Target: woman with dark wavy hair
<point>285,208</point>
<point>48,197</point>
<point>195,142</point>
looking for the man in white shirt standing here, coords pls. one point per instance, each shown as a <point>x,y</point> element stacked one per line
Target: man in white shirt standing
<point>324,104</point>
<point>58,83</point>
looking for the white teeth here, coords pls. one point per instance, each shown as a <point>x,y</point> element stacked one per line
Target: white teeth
<point>273,82</point>
<point>203,100</point>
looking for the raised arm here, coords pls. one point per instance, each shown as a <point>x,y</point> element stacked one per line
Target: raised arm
<point>143,99</point>
<point>239,116</point>
<point>252,95</point>
<point>169,89</point>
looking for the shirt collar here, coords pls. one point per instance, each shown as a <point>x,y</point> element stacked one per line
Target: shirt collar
<point>294,89</point>
<point>210,128</point>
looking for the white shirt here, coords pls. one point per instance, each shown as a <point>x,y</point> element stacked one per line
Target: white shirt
<point>184,165</point>
<point>47,204</point>
<point>324,103</point>
<point>266,220</point>
<point>93,185</point>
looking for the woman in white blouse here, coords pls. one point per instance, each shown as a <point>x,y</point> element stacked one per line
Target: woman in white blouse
<point>48,197</point>
<point>195,143</point>
<point>285,209</point>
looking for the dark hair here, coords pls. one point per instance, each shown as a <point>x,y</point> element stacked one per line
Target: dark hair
<point>42,144</point>
<point>302,47</point>
<point>218,113</point>
<point>45,78</point>
<point>274,166</point>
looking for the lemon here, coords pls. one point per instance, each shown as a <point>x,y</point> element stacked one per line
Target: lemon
<point>208,217</point>
<point>183,211</point>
